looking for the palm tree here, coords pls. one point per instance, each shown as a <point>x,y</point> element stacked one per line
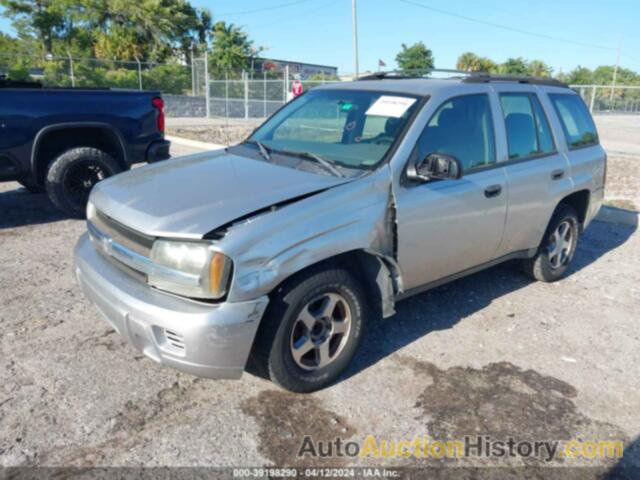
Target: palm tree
<point>538,68</point>
<point>231,47</point>
<point>468,62</point>
<point>486,65</point>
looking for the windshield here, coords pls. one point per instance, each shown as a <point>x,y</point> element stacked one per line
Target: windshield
<point>353,129</point>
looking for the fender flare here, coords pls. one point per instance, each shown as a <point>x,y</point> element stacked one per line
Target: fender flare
<point>70,125</point>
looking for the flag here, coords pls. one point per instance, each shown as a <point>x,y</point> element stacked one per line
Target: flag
<point>381,64</point>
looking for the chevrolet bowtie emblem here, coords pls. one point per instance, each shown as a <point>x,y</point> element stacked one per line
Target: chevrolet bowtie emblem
<point>107,244</point>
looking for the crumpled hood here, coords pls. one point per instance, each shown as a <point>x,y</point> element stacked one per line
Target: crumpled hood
<point>188,197</point>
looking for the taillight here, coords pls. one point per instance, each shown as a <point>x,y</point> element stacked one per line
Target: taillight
<point>158,104</point>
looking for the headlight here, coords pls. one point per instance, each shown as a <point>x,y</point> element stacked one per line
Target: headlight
<point>192,269</point>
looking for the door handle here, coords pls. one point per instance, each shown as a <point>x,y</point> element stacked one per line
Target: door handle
<point>557,174</point>
<point>492,191</point>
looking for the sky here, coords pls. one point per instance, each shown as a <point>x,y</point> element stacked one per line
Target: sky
<point>563,33</point>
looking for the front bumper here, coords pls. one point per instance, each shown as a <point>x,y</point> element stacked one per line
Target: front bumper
<point>207,340</point>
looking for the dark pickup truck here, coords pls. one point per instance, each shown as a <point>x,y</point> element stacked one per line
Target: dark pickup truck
<point>64,141</point>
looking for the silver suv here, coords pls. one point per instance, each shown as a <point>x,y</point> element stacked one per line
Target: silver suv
<point>280,250</point>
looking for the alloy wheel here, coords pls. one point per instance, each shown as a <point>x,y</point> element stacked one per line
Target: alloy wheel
<point>561,245</point>
<point>320,331</point>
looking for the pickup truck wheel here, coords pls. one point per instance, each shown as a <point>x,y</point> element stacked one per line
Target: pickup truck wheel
<point>558,246</point>
<point>72,175</point>
<point>311,330</point>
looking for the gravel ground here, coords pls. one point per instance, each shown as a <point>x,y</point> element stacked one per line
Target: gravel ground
<point>492,354</point>
<point>218,131</point>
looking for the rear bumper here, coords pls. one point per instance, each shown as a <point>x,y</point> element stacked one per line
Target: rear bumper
<point>595,202</point>
<point>158,151</point>
<point>206,340</point>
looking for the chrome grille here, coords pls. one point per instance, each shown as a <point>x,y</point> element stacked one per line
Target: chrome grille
<point>125,236</point>
<point>125,248</point>
<point>131,251</point>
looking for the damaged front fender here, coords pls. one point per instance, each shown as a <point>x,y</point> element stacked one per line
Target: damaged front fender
<point>355,217</point>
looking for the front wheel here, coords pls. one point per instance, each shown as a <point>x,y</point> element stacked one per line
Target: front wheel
<point>72,175</point>
<point>558,246</point>
<point>311,330</point>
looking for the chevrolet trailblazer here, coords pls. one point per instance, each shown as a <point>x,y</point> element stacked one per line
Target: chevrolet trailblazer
<point>279,250</point>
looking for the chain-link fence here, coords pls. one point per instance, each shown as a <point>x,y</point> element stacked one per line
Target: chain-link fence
<point>610,99</point>
<point>253,95</point>
<point>197,90</point>
<point>71,71</point>
<point>194,90</point>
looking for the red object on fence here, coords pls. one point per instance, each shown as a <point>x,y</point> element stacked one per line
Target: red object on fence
<point>296,88</point>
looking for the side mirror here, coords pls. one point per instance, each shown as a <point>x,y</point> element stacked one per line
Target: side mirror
<point>437,166</point>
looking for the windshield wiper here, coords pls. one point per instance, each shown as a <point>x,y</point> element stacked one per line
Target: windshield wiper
<point>316,158</point>
<point>264,151</point>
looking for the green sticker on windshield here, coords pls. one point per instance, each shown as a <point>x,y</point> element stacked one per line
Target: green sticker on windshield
<point>346,106</point>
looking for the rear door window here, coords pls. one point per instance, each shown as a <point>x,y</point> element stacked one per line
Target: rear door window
<point>576,120</point>
<point>528,132</point>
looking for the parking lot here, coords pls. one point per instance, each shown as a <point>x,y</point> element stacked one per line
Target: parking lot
<point>492,354</point>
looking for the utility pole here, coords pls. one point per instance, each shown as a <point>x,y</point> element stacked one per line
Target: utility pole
<point>206,84</point>
<point>615,69</point>
<point>355,36</point>
<point>193,74</point>
<point>139,72</point>
<point>73,78</point>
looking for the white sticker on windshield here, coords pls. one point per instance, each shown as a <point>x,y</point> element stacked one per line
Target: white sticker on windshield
<point>388,106</point>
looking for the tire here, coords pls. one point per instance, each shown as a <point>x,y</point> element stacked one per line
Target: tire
<point>282,330</point>
<point>31,187</point>
<point>553,258</point>
<point>72,175</point>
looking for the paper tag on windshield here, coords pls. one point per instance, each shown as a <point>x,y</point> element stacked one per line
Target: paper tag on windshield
<point>388,106</point>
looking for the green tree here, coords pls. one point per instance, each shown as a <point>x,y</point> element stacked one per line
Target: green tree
<point>167,78</point>
<point>469,62</point>
<point>487,65</point>
<point>19,72</point>
<point>514,66</point>
<point>8,45</point>
<point>231,48</point>
<point>57,74</point>
<point>147,29</point>
<point>44,19</point>
<point>578,76</point>
<point>415,57</point>
<point>538,68</point>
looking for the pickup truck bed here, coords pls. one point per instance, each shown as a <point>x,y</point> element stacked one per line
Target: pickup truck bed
<point>65,140</point>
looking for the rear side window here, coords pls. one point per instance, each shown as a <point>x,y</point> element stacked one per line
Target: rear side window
<point>576,120</point>
<point>462,127</point>
<point>528,132</point>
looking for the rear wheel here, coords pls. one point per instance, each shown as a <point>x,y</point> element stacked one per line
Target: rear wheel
<point>558,246</point>
<point>72,175</point>
<point>311,330</point>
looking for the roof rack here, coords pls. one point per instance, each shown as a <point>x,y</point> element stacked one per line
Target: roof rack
<point>465,76</point>
<point>486,78</point>
<point>402,74</point>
